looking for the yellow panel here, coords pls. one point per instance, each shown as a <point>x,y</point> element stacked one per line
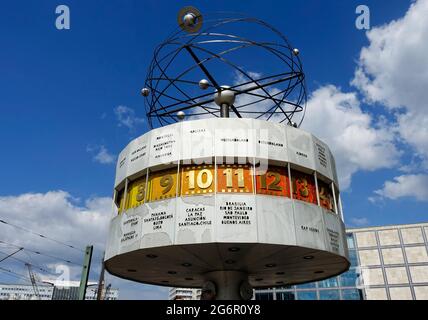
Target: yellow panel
<point>197,180</point>
<point>120,200</point>
<point>136,193</point>
<point>163,185</point>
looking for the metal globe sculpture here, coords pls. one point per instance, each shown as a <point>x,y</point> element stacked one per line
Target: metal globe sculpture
<point>248,55</point>
<point>226,193</point>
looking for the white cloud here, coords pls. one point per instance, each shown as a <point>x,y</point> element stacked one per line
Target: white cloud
<point>127,117</point>
<point>414,130</point>
<point>104,156</point>
<point>101,154</point>
<point>415,186</point>
<point>356,140</point>
<point>359,221</point>
<point>58,215</point>
<point>393,71</point>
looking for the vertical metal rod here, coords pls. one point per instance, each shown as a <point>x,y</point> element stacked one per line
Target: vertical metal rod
<point>341,208</point>
<point>85,272</point>
<point>316,188</point>
<point>224,110</point>
<point>114,206</point>
<point>125,196</point>
<point>290,183</point>
<point>101,280</point>
<point>146,189</point>
<point>333,190</point>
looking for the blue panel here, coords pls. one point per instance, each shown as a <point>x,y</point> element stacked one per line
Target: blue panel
<point>353,258</point>
<point>329,283</point>
<point>264,296</point>
<point>309,285</point>
<point>352,294</point>
<point>350,240</point>
<point>307,295</point>
<point>285,296</point>
<point>349,279</point>
<point>329,295</point>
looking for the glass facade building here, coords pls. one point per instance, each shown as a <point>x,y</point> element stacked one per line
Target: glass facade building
<point>387,263</point>
<point>343,287</point>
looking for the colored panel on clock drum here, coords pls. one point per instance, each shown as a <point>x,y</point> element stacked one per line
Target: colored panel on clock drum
<point>274,182</point>
<point>163,185</point>
<point>326,195</point>
<point>136,193</point>
<point>197,180</point>
<point>120,201</point>
<point>303,187</point>
<point>234,178</point>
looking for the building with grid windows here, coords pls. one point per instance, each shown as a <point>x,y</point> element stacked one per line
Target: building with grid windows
<point>387,263</point>
<point>24,292</point>
<point>184,294</point>
<point>55,290</point>
<point>394,261</point>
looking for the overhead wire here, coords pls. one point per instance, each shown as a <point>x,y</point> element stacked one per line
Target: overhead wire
<point>19,276</point>
<point>26,262</point>
<point>40,235</point>
<point>42,254</point>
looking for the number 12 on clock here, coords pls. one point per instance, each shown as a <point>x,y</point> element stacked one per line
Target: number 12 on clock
<point>274,182</point>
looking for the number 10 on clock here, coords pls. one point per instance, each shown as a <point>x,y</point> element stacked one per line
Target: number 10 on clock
<point>197,180</point>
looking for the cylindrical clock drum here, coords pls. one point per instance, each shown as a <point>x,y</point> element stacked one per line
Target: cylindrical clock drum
<point>226,200</point>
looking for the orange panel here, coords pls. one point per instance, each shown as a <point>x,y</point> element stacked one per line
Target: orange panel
<point>163,185</point>
<point>275,182</point>
<point>236,178</point>
<point>326,196</point>
<point>197,180</point>
<point>303,187</point>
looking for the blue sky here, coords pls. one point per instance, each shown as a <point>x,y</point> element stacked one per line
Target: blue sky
<point>61,127</point>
